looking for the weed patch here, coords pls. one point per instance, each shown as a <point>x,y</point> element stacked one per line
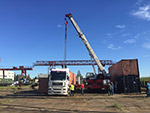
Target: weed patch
<point>117,106</point>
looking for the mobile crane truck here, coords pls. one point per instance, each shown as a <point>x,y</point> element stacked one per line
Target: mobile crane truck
<point>98,81</point>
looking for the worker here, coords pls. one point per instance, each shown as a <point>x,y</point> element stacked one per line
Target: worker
<point>109,89</point>
<point>112,89</point>
<point>72,89</point>
<point>148,89</point>
<point>82,89</point>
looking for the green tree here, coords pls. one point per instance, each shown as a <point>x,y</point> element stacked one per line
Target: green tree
<point>15,77</point>
<point>143,81</point>
<point>79,74</point>
<point>34,78</point>
<point>28,77</point>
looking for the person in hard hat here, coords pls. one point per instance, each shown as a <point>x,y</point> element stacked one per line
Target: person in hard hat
<point>82,89</point>
<point>72,89</point>
<point>148,89</point>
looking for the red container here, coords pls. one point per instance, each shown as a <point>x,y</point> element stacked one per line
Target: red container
<point>125,68</point>
<point>125,75</point>
<point>72,78</point>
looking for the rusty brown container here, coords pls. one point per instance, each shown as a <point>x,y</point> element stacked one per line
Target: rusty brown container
<point>72,78</point>
<point>125,68</point>
<point>43,83</point>
<point>125,75</point>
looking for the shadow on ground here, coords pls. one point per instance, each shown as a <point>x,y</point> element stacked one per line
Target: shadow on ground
<point>33,94</point>
<point>29,109</point>
<point>135,96</point>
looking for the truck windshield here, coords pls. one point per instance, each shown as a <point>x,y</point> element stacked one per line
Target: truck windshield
<point>58,75</point>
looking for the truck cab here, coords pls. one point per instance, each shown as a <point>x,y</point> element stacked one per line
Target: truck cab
<point>58,82</point>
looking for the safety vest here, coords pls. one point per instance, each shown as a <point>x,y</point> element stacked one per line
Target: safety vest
<point>72,87</point>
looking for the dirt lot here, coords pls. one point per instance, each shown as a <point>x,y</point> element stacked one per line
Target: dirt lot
<point>26,100</point>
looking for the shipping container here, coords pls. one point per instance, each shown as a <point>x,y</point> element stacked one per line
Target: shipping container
<point>43,83</point>
<point>72,78</point>
<point>127,84</point>
<point>125,75</point>
<point>125,68</point>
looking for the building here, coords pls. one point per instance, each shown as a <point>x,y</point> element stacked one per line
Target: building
<point>8,75</point>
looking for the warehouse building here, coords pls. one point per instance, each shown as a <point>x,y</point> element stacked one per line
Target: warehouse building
<point>8,75</point>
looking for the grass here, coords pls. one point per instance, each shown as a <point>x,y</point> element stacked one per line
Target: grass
<point>12,88</point>
<point>7,87</point>
<point>6,101</point>
<point>117,106</point>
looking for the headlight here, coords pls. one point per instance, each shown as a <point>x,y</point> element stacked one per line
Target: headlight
<point>64,83</point>
<point>104,82</point>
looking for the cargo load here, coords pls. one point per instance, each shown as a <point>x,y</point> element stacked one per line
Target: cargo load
<point>125,75</point>
<point>72,78</point>
<point>43,83</point>
<point>125,68</point>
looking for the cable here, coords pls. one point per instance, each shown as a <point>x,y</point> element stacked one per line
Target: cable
<point>65,49</point>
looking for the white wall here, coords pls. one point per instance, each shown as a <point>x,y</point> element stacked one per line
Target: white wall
<point>8,74</point>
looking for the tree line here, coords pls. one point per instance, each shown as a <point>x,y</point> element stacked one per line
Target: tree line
<point>17,77</point>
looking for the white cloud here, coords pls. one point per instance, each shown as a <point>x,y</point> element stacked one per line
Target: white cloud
<point>129,41</point>
<point>104,41</point>
<point>120,26</point>
<point>126,34</point>
<point>147,56</point>
<point>143,36</point>
<point>109,35</point>
<point>146,45</point>
<point>113,47</point>
<point>137,36</point>
<point>59,25</point>
<point>139,2</point>
<point>142,12</point>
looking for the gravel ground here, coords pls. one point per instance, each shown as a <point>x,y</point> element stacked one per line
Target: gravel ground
<point>26,100</point>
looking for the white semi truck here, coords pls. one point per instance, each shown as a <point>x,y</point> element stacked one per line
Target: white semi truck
<point>59,81</point>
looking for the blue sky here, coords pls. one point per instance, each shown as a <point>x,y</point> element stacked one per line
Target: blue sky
<point>32,30</point>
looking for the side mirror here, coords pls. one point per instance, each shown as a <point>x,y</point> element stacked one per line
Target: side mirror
<point>67,78</point>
